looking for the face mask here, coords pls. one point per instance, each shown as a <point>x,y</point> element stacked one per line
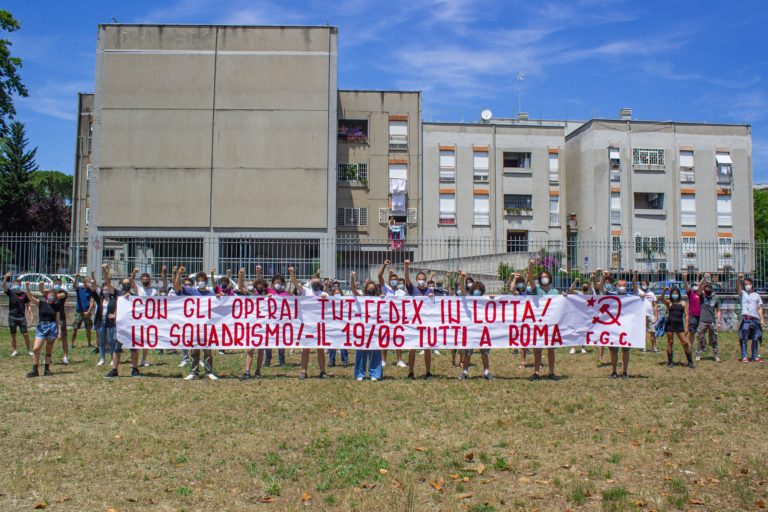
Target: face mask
<point>317,287</point>
<point>125,287</point>
<point>371,292</point>
<point>644,287</point>
<point>421,283</point>
<point>520,286</point>
<point>675,296</point>
<point>57,287</point>
<point>105,293</point>
<point>81,285</point>
<point>50,298</point>
<point>16,287</point>
<point>544,281</point>
<point>145,284</point>
<point>708,293</point>
<point>431,290</point>
<point>400,286</point>
<point>608,286</point>
<point>470,284</point>
<point>695,287</point>
<point>188,283</point>
<point>259,290</point>
<point>224,286</point>
<point>202,284</point>
<point>528,289</point>
<point>585,290</point>
<point>622,290</point>
<point>748,287</point>
<point>393,283</point>
<point>476,293</point>
<point>279,286</point>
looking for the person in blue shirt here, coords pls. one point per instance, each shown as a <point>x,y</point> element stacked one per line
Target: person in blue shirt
<point>84,308</point>
<point>202,288</point>
<point>543,287</point>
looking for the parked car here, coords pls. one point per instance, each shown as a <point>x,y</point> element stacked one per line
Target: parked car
<point>658,287</point>
<point>67,281</point>
<point>33,279</point>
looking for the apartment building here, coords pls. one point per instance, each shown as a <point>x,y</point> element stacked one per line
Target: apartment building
<point>83,148</point>
<point>378,164</point>
<point>651,195</point>
<point>217,134</point>
<point>501,183</point>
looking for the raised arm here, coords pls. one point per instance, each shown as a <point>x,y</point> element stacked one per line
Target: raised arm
<point>6,278</point>
<point>259,275</point>
<point>685,282</point>
<point>529,279</point>
<point>381,272</point>
<point>353,284</point>
<point>241,281</point>
<point>294,281</point>
<point>593,282</point>
<point>32,298</point>
<point>132,280</point>
<point>574,284</point>
<point>177,279</point>
<point>164,277</point>
<point>407,272</point>
<point>664,298</point>
<point>603,280</point>
<point>634,282</point>
<point>463,283</point>
<point>739,284</point>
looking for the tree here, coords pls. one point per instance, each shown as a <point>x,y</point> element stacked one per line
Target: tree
<point>761,214</point>
<point>52,184</point>
<point>16,167</point>
<point>51,201</point>
<point>10,81</point>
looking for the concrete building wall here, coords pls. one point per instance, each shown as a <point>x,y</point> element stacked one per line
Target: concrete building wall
<point>379,108</point>
<point>82,161</point>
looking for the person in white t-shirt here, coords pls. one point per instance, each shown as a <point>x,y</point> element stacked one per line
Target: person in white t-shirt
<point>314,289</point>
<point>145,289</point>
<point>396,287</point>
<point>651,309</point>
<point>752,319</point>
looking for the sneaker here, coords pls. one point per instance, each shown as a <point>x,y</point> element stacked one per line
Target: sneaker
<point>221,353</point>
<point>374,379</point>
<point>100,363</point>
<point>383,363</point>
<point>553,376</point>
<point>745,360</point>
<point>427,376</point>
<point>614,375</point>
<point>191,376</point>
<point>33,372</point>
<point>410,376</point>
<point>583,350</point>
<point>267,364</point>
<point>758,359</point>
<point>14,353</point>
<point>144,364</point>
<point>655,350</point>
<point>690,365</point>
<point>47,372</point>
<point>599,364</point>
<point>487,376</point>
<point>464,376</point>
<point>534,377</point>
<point>625,375</point>
<point>65,360</point>
<point>212,376</point>
<point>31,354</point>
<point>698,357</point>
<point>401,364</point>
<point>515,352</point>
<point>572,351</point>
<point>135,372</point>
<point>257,375</point>
<point>717,359</point>
<point>111,374</point>
<point>302,376</point>
<point>344,364</point>
<point>332,365</point>
<point>421,353</point>
<point>94,351</point>
<point>183,364</point>
<point>436,352</point>
<point>670,365</point>
<point>643,350</point>
<point>359,379</point>
<point>324,375</point>
<point>246,376</point>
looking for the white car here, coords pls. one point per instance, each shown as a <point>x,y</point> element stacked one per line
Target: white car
<point>33,279</point>
<point>67,281</point>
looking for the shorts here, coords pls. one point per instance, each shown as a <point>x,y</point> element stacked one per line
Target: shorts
<point>47,331</point>
<point>693,323</point>
<point>650,324</point>
<point>19,323</point>
<point>483,351</point>
<point>82,318</point>
<point>616,349</point>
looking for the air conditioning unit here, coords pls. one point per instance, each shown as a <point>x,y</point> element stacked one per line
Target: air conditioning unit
<point>662,265</point>
<point>89,171</point>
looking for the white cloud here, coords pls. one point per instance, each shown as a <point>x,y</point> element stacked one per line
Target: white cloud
<point>55,99</point>
<point>748,107</point>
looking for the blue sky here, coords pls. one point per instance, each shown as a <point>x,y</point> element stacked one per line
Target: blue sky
<point>668,60</point>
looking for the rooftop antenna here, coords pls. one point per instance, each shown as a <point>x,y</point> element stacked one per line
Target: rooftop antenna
<point>114,20</point>
<point>520,78</point>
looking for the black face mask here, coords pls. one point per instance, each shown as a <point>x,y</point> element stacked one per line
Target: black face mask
<point>125,287</point>
<point>371,292</point>
<point>316,287</point>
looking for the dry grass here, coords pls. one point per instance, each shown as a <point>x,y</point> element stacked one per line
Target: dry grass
<point>665,440</point>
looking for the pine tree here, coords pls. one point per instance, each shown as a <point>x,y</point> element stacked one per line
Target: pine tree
<point>16,167</point>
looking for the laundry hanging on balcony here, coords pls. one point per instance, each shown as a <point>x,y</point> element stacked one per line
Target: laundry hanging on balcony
<point>396,236</point>
<point>397,185</point>
<point>398,203</point>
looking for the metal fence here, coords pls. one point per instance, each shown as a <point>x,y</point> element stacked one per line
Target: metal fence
<point>492,261</point>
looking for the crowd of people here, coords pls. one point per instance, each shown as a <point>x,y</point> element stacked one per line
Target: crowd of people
<point>692,317</point>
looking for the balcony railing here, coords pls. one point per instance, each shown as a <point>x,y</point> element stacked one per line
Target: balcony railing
<point>447,174</point>
<point>447,219</point>
<point>615,175</point>
<point>482,219</point>
<point>687,175</point>
<point>356,173</point>
<point>554,219</point>
<point>353,138</point>
<point>398,143</point>
<point>615,216</point>
<point>554,177</point>
<point>481,175</point>
<point>518,212</point>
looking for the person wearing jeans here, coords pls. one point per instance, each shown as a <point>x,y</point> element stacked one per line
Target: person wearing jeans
<point>752,319</point>
<point>202,288</point>
<point>709,321</point>
<point>369,361</point>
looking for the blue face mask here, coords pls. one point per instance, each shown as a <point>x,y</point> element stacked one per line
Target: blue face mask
<point>528,289</point>
<point>16,287</point>
<point>476,293</point>
<point>675,296</point>
<point>520,286</point>
<point>608,286</point>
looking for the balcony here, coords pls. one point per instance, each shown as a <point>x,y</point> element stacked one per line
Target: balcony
<point>410,217</point>
<point>398,143</point>
<point>688,218</point>
<point>480,176</point>
<point>447,174</point>
<point>554,219</point>
<point>616,217</point>
<point>447,219</point>
<point>518,212</point>
<point>554,177</point>
<point>687,175</point>
<point>481,219</point>
<point>352,174</point>
<point>615,176</point>
<point>724,220</point>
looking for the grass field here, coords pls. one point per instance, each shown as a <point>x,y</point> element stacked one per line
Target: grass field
<point>666,439</point>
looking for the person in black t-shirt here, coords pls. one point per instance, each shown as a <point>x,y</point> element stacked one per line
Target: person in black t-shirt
<point>61,299</point>
<point>17,309</point>
<point>47,329</point>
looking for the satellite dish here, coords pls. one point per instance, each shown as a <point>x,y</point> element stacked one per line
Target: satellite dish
<point>486,115</point>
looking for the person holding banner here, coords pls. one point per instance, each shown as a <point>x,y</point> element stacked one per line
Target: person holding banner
<point>336,291</point>
<point>47,329</point>
<point>145,290</point>
<point>575,289</point>
<point>116,348</point>
<point>752,319</point>
<point>366,358</point>
<point>677,323</point>
<point>543,288</point>
<point>315,290</point>
<point>106,307</point>
<point>478,289</point>
<point>17,312</point>
<point>201,288</point>
<point>420,290</point>
<point>395,288</point>
<point>620,291</point>
<point>651,310</point>
<point>278,288</point>
<point>517,287</point>
<point>258,287</point>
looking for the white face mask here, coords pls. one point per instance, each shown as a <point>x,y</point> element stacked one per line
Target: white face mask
<point>695,287</point>
<point>421,283</point>
<point>201,284</point>
<point>544,281</point>
<point>401,286</point>
<point>279,286</point>
<point>748,287</point>
<point>250,287</point>
<point>622,290</point>
<point>393,283</point>
<point>81,285</point>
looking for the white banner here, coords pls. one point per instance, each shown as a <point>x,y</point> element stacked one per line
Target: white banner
<point>374,323</point>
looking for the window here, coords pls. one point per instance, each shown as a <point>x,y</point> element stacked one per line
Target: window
<point>447,209</point>
<point>724,210</point>
<point>480,164</point>
<point>482,211</point>
<point>517,241</point>
<point>615,251</point>
<point>686,159</point>
<point>518,202</point>
<point>398,171</point>
<point>447,165</point>
<point>554,168</point>
<point>614,158</point>
<point>351,172</point>
<point>615,208</point>
<point>649,201</point>
<point>724,169</point>
<point>554,210</point>
<point>513,160</point>
<point>398,135</point>
<point>725,251</point>
<point>351,217</point>
<point>650,246</point>
<point>688,247</point>
<point>647,156</point>
<point>353,130</point>
<point>688,209</point>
